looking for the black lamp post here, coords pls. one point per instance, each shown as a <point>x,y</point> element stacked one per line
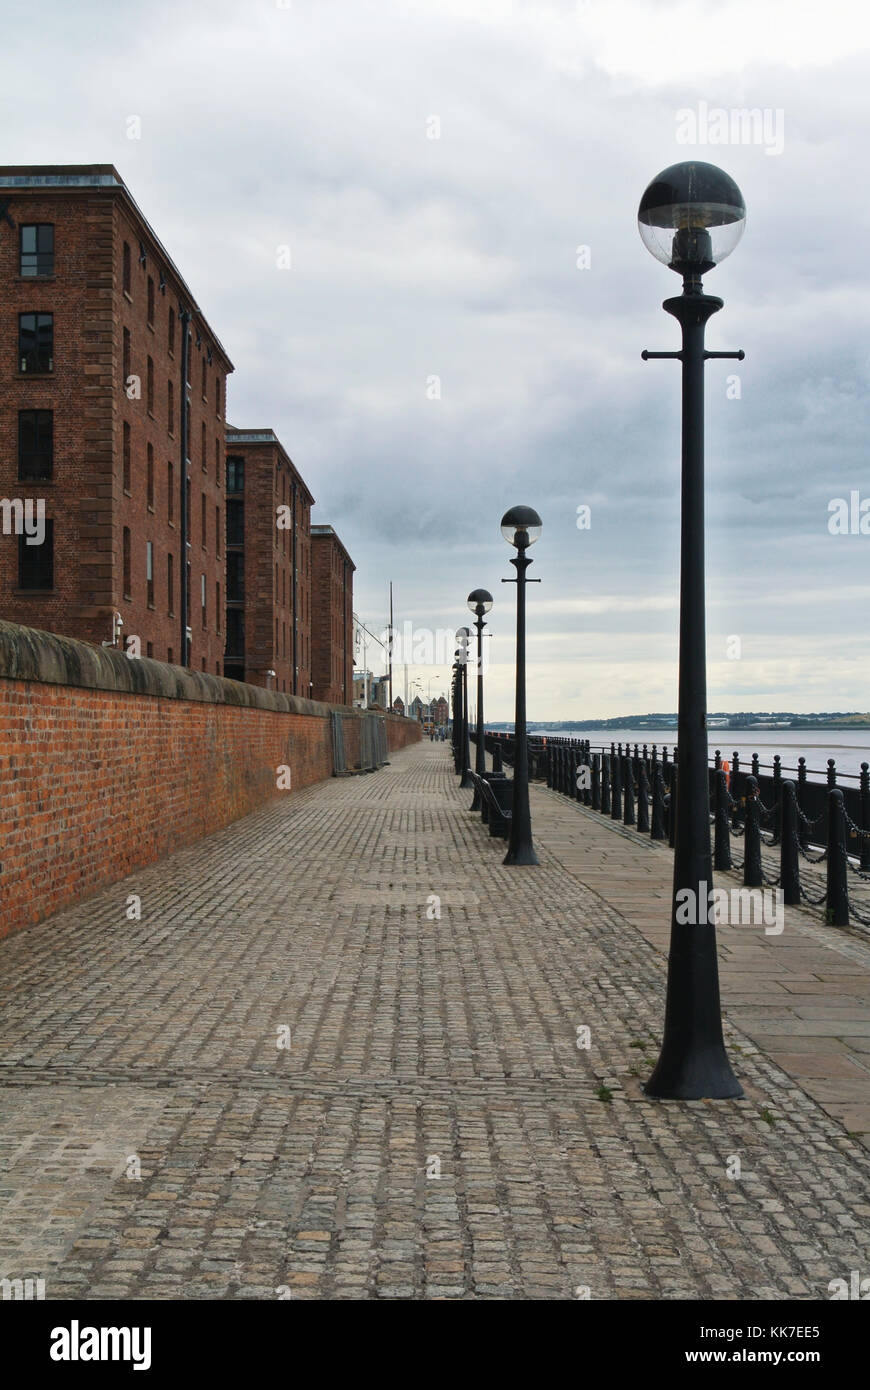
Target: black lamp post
<point>691,217</point>
<point>463,636</point>
<point>521,526</point>
<point>480,602</point>
<point>457,706</point>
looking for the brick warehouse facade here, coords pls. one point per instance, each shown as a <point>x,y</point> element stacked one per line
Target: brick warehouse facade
<point>268,594</point>
<point>332,572</point>
<point>97,414</point>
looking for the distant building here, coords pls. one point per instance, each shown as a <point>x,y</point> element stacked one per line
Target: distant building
<point>112,401</point>
<point>332,572</point>
<point>416,708</point>
<point>269,565</point>
<point>440,710</point>
<point>379,693</point>
<point>399,705</point>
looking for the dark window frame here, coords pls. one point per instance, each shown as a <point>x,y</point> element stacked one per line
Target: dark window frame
<point>40,259</point>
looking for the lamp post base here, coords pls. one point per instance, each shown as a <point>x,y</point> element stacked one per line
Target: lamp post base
<point>701,1077</point>
<point>521,854</point>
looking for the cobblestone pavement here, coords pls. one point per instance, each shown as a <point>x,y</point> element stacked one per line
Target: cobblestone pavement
<point>433,1128</point>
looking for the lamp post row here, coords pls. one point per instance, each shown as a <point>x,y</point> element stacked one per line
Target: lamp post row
<point>691,217</point>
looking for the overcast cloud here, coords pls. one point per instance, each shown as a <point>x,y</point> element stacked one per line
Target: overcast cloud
<point>307,125</point>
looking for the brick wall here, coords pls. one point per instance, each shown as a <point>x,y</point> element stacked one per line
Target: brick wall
<point>108,764</point>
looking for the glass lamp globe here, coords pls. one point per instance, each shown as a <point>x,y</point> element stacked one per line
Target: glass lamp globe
<point>691,217</point>
<point>480,601</point>
<point>521,526</point>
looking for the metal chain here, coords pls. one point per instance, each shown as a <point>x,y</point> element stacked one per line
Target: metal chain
<point>856,829</point>
<point>815,902</point>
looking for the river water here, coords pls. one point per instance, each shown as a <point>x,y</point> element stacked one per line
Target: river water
<point>848,748</point>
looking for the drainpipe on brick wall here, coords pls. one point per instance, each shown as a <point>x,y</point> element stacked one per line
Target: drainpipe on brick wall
<point>344,637</point>
<point>295,616</point>
<point>184,315</point>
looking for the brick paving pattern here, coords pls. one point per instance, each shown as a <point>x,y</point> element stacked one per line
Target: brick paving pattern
<point>433,1129</point>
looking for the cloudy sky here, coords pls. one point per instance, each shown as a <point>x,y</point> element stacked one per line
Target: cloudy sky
<point>434,168</point>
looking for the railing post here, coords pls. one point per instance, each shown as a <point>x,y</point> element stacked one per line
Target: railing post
<point>865,816</point>
<point>496,757</point>
<point>735,789</point>
<point>777,797</point>
<point>628,817</point>
<point>717,763</point>
<point>549,763</point>
<point>789,863</point>
<point>643,797</point>
<point>657,826</point>
<point>595,764</point>
<point>605,784</point>
<point>573,760</point>
<point>616,788</point>
<point>755,766</point>
<point>722,835</point>
<point>803,832</point>
<point>837,901</point>
<point>672,807</point>
<point>752,837</point>
<point>832,772</point>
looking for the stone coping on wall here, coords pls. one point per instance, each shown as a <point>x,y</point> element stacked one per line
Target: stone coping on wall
<point>28,654</point>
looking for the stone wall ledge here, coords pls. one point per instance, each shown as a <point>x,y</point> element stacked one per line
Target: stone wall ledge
<point>28,654</point>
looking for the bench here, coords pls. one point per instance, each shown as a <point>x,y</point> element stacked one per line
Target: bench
<point>496,801</point>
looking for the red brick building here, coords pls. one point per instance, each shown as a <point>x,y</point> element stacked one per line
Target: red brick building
<point>268,592</point>
<point>112,408</point>
<point>332,572</point>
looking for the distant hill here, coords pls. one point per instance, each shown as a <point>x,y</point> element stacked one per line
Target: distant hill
<point>762,719</point>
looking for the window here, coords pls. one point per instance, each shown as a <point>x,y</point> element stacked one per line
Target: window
<point>170,500</point>
<point>204,391</point>
<point>125,365</point>
<point>235,633</point>
<point>235,474</point>
<point>217,395</point>
<point>151,300</point>
<point>204,449</point>
<point>235,522</point>
<point>149,379</point>
<point>202,597</point>
<point>171,409</point>
<point>126,272</point>
<point>217,531</point>
<point>127,459</point>
<point>36,562</point>
<point>235,577</point>
<point>149,648</point>
<point>217,462</point>
<point>169,655</point>
<point>128,587</point>
<point>217,607</point>
<point>149,481</point>
<point>36,342</point>
<point>37,249</point>
<point>35,443</point>
<point>202,522</point>
<point>187,588</point>
<point>172,330</point>
<point>170,590</point>
<point>149,571</point>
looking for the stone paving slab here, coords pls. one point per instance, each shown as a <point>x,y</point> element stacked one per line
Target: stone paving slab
<point>803,995</point>
<point>341,1046</point>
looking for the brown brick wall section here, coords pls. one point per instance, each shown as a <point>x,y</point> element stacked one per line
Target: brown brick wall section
<point>95,783</point>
